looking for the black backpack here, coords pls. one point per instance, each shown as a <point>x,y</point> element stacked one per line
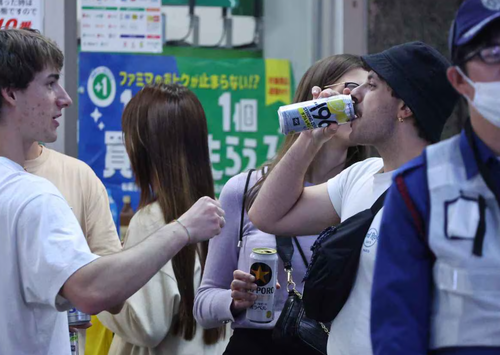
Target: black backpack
<point>334,264</point>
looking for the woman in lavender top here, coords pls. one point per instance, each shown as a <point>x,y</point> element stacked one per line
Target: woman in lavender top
<point>224,292</point>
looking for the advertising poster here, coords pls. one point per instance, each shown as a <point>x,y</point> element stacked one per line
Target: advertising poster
<point>21,14</point>
<point>121,26</point>
<point>240,98</point>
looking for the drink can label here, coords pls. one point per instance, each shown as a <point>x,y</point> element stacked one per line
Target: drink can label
<point>264,267</point>
<point>312,114</point>
<point>73,340</point>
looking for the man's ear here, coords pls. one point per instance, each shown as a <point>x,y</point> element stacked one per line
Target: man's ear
<point>404,111</point>
<point>9,96</point>
<point>459,83</point>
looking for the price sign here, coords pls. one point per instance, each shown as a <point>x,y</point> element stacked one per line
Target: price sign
<point>21,14</point>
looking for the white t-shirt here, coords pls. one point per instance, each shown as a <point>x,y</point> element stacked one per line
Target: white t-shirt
<point>42,245</point>
<point>352,191</point>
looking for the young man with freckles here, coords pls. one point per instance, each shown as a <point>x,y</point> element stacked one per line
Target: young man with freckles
<point>46,266</point>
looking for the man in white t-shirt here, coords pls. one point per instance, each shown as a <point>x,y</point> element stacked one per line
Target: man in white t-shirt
<point>88,199</point>
<point>45,263</point>
<point>401,108</point>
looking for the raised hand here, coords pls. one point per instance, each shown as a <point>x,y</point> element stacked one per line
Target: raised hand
<point>203,220</point>
<point>321,135</point>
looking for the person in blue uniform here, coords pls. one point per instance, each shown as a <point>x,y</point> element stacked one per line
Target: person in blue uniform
<point>437,275</point>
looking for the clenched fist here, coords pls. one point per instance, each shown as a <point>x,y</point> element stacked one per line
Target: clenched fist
<point>203,220</point>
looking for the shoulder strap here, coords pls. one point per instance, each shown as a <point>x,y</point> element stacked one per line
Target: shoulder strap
<point>284,247</point>
<point>285,250</point>
<point>378,204</point>
<point>301,252</point>
<point>243,207</point>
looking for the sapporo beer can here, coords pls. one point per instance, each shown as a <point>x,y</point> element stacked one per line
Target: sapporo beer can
<point>75,317</point>
<point>264,267</point>
<point>73,340</point>
<point>312,114</point>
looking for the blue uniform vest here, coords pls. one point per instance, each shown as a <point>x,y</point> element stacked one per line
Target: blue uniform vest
<point>466,302</point>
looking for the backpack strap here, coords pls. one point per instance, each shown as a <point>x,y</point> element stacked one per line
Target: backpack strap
<point>378,204</point>
<point>240,239</point>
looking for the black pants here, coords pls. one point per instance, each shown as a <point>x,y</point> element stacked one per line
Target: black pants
<point>260,342</point>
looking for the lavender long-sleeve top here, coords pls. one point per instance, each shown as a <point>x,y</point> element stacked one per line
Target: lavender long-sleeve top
<point>213,298</point>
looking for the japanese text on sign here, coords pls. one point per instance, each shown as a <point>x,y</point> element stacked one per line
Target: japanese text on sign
<point>121,26</point>
<point>240,109</point>
<point>197,81</point>
<point>21,14</point>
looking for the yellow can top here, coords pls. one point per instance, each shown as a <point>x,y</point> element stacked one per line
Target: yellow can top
<point>264,251</point>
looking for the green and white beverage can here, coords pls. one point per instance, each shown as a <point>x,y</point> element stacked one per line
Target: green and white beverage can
<point>264,267</point>
<point>73,341</point>
<point>302,116</point>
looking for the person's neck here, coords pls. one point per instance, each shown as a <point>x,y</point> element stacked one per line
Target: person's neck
<point>34,151</point>
<point>12,146</point>
<point>486,131</point>
<point>398,151</point>
<point>329,161</point>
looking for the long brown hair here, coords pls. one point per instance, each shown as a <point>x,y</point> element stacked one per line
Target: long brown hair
<point>166,137</point>
<point>324,72</point>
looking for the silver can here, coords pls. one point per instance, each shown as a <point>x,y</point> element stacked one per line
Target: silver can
<point>75,317</point>
<point>73,340</point>
<point>264,267</point>
<point>312,114</point>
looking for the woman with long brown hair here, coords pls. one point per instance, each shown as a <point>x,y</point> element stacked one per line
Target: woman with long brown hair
<point>166,137</point>
<point>224,293</point>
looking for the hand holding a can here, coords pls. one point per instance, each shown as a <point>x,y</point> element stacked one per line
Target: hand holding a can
<point>318,118</point>
<point>242,288</point>
<point>323,134</point>
<point>74,328</point>
<point>242,291</point>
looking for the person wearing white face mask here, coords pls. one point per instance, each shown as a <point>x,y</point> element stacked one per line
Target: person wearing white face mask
<point>437,281</point>
<point>486,94</point>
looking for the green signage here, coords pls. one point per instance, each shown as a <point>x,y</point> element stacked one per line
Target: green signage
<point>240,98</point>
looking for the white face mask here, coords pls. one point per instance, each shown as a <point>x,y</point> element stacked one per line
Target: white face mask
<point>486,99</point>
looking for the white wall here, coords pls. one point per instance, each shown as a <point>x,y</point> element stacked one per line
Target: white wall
<point>210,25</point>
<point>291,32</point>
<point>305,31</point>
